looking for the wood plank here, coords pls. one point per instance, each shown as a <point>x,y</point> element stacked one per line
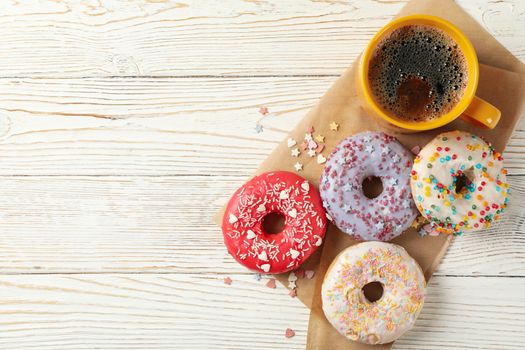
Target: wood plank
<point>75,224</point>
<point>174,311</point>
<point>233,37</point>
<point>152,126</point>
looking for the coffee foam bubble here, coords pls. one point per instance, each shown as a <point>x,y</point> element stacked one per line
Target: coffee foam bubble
<point>418,73</point>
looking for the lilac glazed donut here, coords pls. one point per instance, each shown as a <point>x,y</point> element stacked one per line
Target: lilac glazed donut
<point>369,154</point>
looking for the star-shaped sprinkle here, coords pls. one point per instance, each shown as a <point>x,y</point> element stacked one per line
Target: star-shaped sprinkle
<point>258,128</point>
<point>263,110</point>
<point>292,285</point>
<point>347,208</point>
<point>293,292</point>
<point>311,153</point>
<point>334,126</point>
<point>393,182</point>
<point>367,138</point>
<point>308,137</point>
<point>289,333</point>
<point>298,166</point>
<point>396,158</point>
<point>347,187</point>
<point>380,225</point>
<point>310,130</point>
<point>319,138</point>
<point>369,148</point>
<point>227,280</point>
<point>295,152</point>
<point>384,152</point>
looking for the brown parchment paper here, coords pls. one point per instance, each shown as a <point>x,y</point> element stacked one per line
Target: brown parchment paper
<point>502,83</point>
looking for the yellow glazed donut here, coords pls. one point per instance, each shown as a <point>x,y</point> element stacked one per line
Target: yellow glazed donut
<point>458,183</point>
<point>373,322</point>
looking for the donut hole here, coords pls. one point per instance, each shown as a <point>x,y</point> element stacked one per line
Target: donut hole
<point>372,186</point>
<point>373,291</point>
<point>464,180</point>
<point>273,223</point>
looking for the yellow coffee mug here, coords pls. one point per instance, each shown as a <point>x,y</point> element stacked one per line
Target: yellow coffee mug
<point>470,108</point>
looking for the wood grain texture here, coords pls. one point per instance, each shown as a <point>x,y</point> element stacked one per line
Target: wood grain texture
<point>163,224</point>
<point>125,125</point>
<point>70,38</point>
<point>150,126</point>
<point>174,311</point>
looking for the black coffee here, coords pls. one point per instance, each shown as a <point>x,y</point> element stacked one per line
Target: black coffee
<point>418,73</point>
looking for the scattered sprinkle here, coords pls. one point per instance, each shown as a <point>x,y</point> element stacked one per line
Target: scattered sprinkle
<point>291,142</point>
<point>311,153</point>
<point>289,333</point>
<point>308,137</point>
<point>321,159</point>
<point>298,166</point>
<point>263,110</point>
<point>415,149</point>
<point>310,130</point>
<point>265,267</point>
<point>309,274</point>
<point>227,280</point>
<point>292,292</point>
<point>319,138</point>
<point>271,283</point>
<point>292,277</point>
<point>334,126</point>
<point>295,152</point>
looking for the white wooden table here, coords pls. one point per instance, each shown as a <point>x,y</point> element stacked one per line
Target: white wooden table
<point>124,126</point>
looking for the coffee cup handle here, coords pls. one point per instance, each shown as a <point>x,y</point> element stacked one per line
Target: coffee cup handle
<point>481,113</point>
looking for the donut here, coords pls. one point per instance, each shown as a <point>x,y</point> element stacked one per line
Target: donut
<point>354,159</point>
<point>287,194</point>
<point>346,305</point>
<point>459,183</point>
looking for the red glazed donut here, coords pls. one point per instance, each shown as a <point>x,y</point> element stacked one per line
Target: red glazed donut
<point>274,192</point>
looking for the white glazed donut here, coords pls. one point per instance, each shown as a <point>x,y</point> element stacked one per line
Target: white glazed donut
<point>449,159</point>
<point>352,314</point>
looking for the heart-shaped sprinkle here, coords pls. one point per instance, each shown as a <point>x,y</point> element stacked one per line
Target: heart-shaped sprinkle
<point>293,213</point>
<point>305,186</point>
<point>320,148</point>
<point>289,333</point>
<point>310,130</point>
<point>233,219</point>
<point>271,283</point>
<point>320,159</point>
<point>250,234</point>
<point>263,256</point>
<point>265,267</point>
<point>291,142</point>
<point>312,144</point>
<point>261,208</point>
<point>284,194</point>
<point>304,146</point>
<point>294,253</point>
<point>292,285</point>
<point>319,242</point>
<point>293,293</point>
<point>309,274</point>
